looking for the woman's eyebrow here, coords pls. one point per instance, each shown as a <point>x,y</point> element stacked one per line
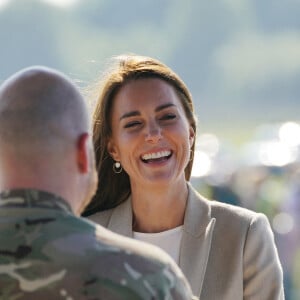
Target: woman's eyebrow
<point>137,113</point>
<point>130,114</point>
<point>161,107</point>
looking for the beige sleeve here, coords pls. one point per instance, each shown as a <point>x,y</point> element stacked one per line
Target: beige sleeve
<point>263,277</point>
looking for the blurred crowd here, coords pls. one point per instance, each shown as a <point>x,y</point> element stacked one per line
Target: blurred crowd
<point>263,175</point>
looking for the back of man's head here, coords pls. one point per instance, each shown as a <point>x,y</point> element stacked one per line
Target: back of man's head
<point>44,125</point>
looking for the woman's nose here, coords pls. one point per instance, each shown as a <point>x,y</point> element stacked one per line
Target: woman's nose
<point>153,134</point>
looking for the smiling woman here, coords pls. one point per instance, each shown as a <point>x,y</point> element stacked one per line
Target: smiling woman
<point>151,136</point>
<point>144,138</point>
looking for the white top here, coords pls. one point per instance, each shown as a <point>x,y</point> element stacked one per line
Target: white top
<point>168,240</point>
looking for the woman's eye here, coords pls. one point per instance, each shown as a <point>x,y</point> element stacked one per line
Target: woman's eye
<point>168,117</point>
<point>132,124</point>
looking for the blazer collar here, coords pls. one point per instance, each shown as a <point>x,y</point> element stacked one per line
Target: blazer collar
<point>196,219</point>
<point>196,239</point>
<point>121,219</point>
<point>197,213</point>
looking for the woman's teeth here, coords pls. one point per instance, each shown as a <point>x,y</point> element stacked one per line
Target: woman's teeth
<point>156,155</point>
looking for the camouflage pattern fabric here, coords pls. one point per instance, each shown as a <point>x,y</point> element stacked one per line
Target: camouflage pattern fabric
<point>46,252</point>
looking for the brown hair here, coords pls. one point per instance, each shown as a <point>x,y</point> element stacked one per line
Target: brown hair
<point>113,188</point>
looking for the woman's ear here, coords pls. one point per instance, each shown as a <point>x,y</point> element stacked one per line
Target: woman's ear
<point>192,136</point>
<point>112,150</point>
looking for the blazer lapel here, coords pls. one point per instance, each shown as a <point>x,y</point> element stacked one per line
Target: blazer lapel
<point>196,240</point>
<point>121,219</point>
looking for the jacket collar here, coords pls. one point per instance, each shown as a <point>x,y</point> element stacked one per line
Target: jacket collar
<point>196,240</point>
<point>121,219</point>
<point>198,213</point>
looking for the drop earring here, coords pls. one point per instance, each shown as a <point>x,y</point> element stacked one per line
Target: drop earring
<point>117,168</point>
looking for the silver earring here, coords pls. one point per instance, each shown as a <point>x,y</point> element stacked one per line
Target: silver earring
<point>117,168</point>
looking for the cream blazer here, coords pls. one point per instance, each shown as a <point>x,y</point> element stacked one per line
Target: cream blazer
<point>227,252</point>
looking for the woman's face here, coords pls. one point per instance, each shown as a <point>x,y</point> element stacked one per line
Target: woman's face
<point>151,135</point>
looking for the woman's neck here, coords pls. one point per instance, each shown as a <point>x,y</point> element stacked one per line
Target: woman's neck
<point>158,209</point>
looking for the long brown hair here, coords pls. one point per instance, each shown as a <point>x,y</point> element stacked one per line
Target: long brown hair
<point>113,188</point>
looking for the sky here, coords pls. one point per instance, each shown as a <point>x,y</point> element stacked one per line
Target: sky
<point>240,59</point>
<point>58,3</point>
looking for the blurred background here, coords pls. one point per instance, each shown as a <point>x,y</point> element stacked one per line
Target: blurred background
<point>241,62</point>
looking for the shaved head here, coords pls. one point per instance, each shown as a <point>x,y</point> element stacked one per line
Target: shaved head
<point>45,138</point>
<point>40,107</point>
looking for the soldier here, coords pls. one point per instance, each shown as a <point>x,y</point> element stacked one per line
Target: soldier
<point>47,177</point>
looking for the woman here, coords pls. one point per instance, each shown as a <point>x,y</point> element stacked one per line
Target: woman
<point>144,137</point>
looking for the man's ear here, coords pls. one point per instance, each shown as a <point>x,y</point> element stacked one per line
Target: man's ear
<point>112,150</point>
<point>82,153</point>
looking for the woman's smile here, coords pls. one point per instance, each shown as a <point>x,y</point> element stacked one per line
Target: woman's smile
<point>159,156</point>
<point>151,136</point>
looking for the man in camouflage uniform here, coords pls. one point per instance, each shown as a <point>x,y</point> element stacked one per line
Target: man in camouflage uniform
<point>47,177</point>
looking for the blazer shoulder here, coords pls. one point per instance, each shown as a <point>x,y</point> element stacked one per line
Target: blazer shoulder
<point>233,210</point>
<point>236,212</point>
<point>231,215</point>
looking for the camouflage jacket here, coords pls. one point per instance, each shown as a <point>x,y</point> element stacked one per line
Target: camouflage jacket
<point>46,252</point>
